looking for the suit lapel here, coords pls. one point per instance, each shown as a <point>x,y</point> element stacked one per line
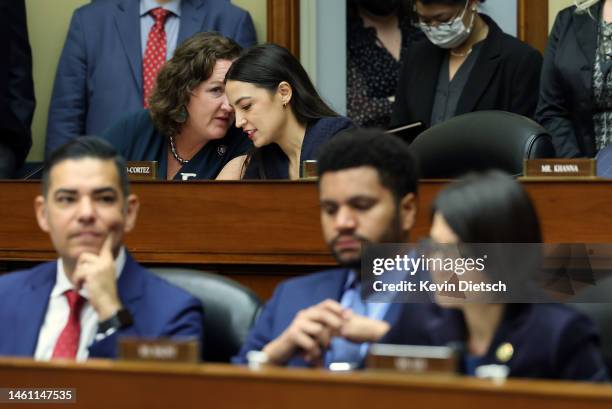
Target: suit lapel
<point>192,19</point>
<point>31,307</point>
<point>428,72</point>
<point>127,20</point>
<point>483,71</point>
<point>586,37</point>
<point>331,286</point>
<point>131,283</point>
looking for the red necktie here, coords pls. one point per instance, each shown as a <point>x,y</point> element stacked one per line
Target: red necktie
<point>68,342</point>
<point>155,53</point>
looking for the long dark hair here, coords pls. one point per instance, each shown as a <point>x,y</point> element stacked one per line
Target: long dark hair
<point>267,65</point>
<point>489,207</point>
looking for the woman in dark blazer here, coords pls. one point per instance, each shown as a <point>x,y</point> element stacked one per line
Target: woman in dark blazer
<point>549,341</point>
<point>279,109</point>
<point>571,108</point>
<point>491,70</point>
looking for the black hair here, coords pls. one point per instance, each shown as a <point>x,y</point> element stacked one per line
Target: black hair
<point>489,207</point>
<point>386,153</point>
<point>444,2</point>
<point>267,65</point>
<point>86,147</point>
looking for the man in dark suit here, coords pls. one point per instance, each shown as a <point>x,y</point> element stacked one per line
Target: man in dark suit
<point>16,87</point>
<point>367,189</point>
<point>78,306</point>
<point>100,73</point>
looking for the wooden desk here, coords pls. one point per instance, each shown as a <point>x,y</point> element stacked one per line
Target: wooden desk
<point>273,226</point>
<point>107,384</point>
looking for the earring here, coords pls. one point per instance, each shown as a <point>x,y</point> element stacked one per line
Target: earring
<point>182,116</point>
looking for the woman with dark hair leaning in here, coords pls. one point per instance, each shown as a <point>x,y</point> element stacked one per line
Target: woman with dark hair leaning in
<point>280,110</point>
<point>468,64</point>
<point>549,341</point>
<point>189,127</point>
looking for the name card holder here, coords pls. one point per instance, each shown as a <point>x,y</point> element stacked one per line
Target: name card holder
<point>413,358</point>
<point>142,170</point>
<point>559,168</point>
<point>160,350</point>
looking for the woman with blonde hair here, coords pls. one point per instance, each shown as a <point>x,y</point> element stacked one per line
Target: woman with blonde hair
<point>575,102</point>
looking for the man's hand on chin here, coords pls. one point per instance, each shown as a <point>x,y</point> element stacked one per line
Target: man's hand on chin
<point>96,272</point>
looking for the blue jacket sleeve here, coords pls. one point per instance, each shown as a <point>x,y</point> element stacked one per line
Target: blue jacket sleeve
<point>262,332</point>
<point>185,322</point>
<point>579,356</point>
<point>68,107</point>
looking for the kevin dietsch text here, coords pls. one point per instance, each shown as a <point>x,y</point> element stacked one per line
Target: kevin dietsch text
<point>428,286</point>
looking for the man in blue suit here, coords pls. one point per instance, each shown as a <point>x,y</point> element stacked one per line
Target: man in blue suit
<point>367,193</point>
<point>100,73</point>
<point>78,306</point>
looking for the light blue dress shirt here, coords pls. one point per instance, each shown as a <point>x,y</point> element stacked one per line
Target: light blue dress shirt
<point>171,26</point>
<point>340,349</point>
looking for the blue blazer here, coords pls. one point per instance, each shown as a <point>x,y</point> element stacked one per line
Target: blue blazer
<point>270,162</point>
<point>99,76</point>
<point>137,139</point>
<point>550,341</point>
<point>158,308</point>
<point>289,298</point>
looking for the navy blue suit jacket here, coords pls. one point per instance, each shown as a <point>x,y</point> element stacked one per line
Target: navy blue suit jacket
<point>270,162</point>
<point>550,341</point>
<point>289,298</point>
<point>99,76</point>
<point>159,309</point>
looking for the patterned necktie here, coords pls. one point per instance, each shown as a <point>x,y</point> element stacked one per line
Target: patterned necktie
<point>68,342</point>
<point>155,53</point>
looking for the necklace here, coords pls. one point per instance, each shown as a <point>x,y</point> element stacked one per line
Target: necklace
<point>175,153</point>
<point>456,54</point>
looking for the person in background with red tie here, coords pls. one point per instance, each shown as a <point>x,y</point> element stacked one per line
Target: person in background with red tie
<point>78,306</point>
<point>114,50</point>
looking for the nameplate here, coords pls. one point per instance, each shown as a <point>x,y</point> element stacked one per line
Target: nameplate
<point>559,168</point>
<point>142,170</point>
<point>164,350</point>
<point>413,358</point>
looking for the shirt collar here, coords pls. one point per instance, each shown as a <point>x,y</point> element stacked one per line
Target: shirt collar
<point>173,6</point>
<point>63,284</point>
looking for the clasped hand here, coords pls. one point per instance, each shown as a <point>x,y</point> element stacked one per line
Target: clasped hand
<point>312,329</point>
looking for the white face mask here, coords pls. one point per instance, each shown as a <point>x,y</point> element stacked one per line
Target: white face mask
<point>451,34</point>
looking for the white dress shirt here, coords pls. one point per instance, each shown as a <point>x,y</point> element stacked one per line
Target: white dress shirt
<point>58,312</point>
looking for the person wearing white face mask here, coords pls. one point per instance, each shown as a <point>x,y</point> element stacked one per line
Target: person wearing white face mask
<point>468,64</point>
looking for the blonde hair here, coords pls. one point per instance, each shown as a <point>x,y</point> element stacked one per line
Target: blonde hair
<point>583,6</point>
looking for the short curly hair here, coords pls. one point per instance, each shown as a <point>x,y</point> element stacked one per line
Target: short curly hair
<point>193,62</point>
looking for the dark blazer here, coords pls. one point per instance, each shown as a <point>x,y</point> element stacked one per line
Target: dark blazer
<point>159,309</point>
<point>16,85</point>
<point>550,341</point>
<point>505,77</point>
<point>289,298</point>
<point>270,162</point>
<point>99,76</point>
<point>137,139</point>
<point>565,107</point>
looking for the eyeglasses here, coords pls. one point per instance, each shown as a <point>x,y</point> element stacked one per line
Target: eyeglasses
<point>445,24</point>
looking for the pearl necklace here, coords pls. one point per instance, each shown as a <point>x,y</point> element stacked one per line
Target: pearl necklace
<point>175,153</point>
